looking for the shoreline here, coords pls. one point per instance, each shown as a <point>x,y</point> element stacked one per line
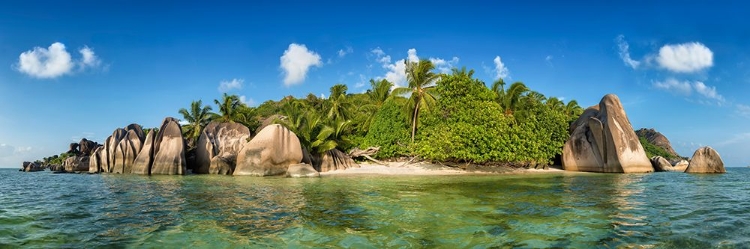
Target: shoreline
<point>431,169</point>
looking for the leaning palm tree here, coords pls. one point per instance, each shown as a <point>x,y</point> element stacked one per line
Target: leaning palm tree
<point>513,96</point>
<point>227,108</point>
<point>197,117</point>
<point>573,110</point>
<point>421,81</point>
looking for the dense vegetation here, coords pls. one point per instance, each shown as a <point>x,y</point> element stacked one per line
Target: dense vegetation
<point>441,117</point>
<point>653,150</point>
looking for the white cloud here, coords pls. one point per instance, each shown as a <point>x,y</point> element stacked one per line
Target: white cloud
<point>51,62</point>
<point>686,88</point>
<point>54,61</point>
<point>500,70</point>
<point>378,52</point>
<point>296,62</point>
<point>343,52</point>
<point>624,50</point>
<point>247,101</point>
<point>685,58</point>
<point>226,86</point>
<point>736,139</point>
<point>89,58</point>
<point>412,55</point>
<point>548,58</point>
<point>707,91</point>
<point>743,110</point>
<point>361,83</point>
<point>675,86</point>
<point>444,66</point>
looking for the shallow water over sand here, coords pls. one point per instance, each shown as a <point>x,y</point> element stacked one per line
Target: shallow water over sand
<point>665,210</point>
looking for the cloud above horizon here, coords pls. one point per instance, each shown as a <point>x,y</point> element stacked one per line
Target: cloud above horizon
<point>228,85</point>
<point>687,57</point>
<point>296,62</point>
<point>343,52</point>
<point>501,71</point>
<point>686,88</point>
<point>54,61</point>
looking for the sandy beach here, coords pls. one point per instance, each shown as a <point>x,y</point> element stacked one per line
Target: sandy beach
<point>423,168</point>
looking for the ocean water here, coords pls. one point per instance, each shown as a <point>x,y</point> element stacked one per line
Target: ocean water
<point>659,210</point>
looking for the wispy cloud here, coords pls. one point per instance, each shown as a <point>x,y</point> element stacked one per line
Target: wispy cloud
<point>742,110</point>
<point>501,71</point>
<point>624,50</point>
<point>228,85</point>
<point>444,66</point>
<point>686,88</point>
<point>396,71</point>
<point>344,52</point>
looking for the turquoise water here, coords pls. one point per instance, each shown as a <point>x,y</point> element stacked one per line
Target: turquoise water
<point>661,210</point>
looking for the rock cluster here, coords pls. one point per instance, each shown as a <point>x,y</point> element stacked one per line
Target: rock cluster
<point>31,167</point>
<point>603,140</point>
<point>661,164</point>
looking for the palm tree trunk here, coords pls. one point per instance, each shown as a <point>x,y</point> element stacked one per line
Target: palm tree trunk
<point>414,122</point>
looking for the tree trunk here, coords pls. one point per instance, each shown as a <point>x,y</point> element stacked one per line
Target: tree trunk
<point>414,122</point>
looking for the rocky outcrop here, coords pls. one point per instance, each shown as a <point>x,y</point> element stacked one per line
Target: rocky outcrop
<point>142,163</point>
<point>301,170</point>
<point>218,146</point>
<point>115,156</point>
<point>95,160</point>
<point>706,160</point>
<point>333,160</point>
<point>680,166</point>
<point>270,152</point>
<point>603,140</point>
<point>87,147</point>
<point>76,164</point>
<point>656,138</point>
<point>31,167</point>
<point>169,149</point>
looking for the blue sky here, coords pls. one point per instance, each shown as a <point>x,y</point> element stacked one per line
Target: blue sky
<point>83,68</point>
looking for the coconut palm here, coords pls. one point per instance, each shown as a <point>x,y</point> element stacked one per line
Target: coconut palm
<point>573,110</point>
<point>197,117</point>
<point>227,108</point>
<point>421,88</point>
<point>338,104</point>
<point>380,92</point>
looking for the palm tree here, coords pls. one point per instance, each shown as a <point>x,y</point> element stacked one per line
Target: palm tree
<point>338,104</point>
<point>227,108</point>
<point>422,89</point>
<point>573,110</point>
<point>197,117</point>
<point>380,92</point>
<point>555,103</point>
<point>509,100</point>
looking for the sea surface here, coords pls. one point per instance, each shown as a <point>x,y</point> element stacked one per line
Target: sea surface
<point>659,210</point>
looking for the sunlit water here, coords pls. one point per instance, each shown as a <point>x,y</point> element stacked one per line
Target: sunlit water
<point>661,210</point>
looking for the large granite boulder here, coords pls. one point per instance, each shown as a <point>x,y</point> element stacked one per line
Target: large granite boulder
<point>76,164</point>
<point>31,167</point>
<point>706,160</point>
<point>87,147</point>
<point>95,160</point>
<point>603,140</point>
<point>333,160</point>
<point>659,140</point>
<point>142,163</point>
<point>218,146</point>
<point>169,150</point>
<point>660,164</point>
<point>301,170</point>
<point>115,156</point>
<point>270,153</point>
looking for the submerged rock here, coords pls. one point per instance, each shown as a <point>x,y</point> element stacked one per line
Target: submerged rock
<point>680,166</point>
<point>706,160</point>
<point>603,140</point>
<point>301,170</point>
<point>270,153</point>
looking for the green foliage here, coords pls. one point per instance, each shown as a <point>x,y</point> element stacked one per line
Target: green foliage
<point>197,117</point>
<point>421,90</point>
<point>389,130</point>
<point>653,150</point>
<point>470,125</point>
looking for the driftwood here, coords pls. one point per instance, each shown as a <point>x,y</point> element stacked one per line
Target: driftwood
<point>366,153</point>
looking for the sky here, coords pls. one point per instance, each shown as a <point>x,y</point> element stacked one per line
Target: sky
<point>75,69</point>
